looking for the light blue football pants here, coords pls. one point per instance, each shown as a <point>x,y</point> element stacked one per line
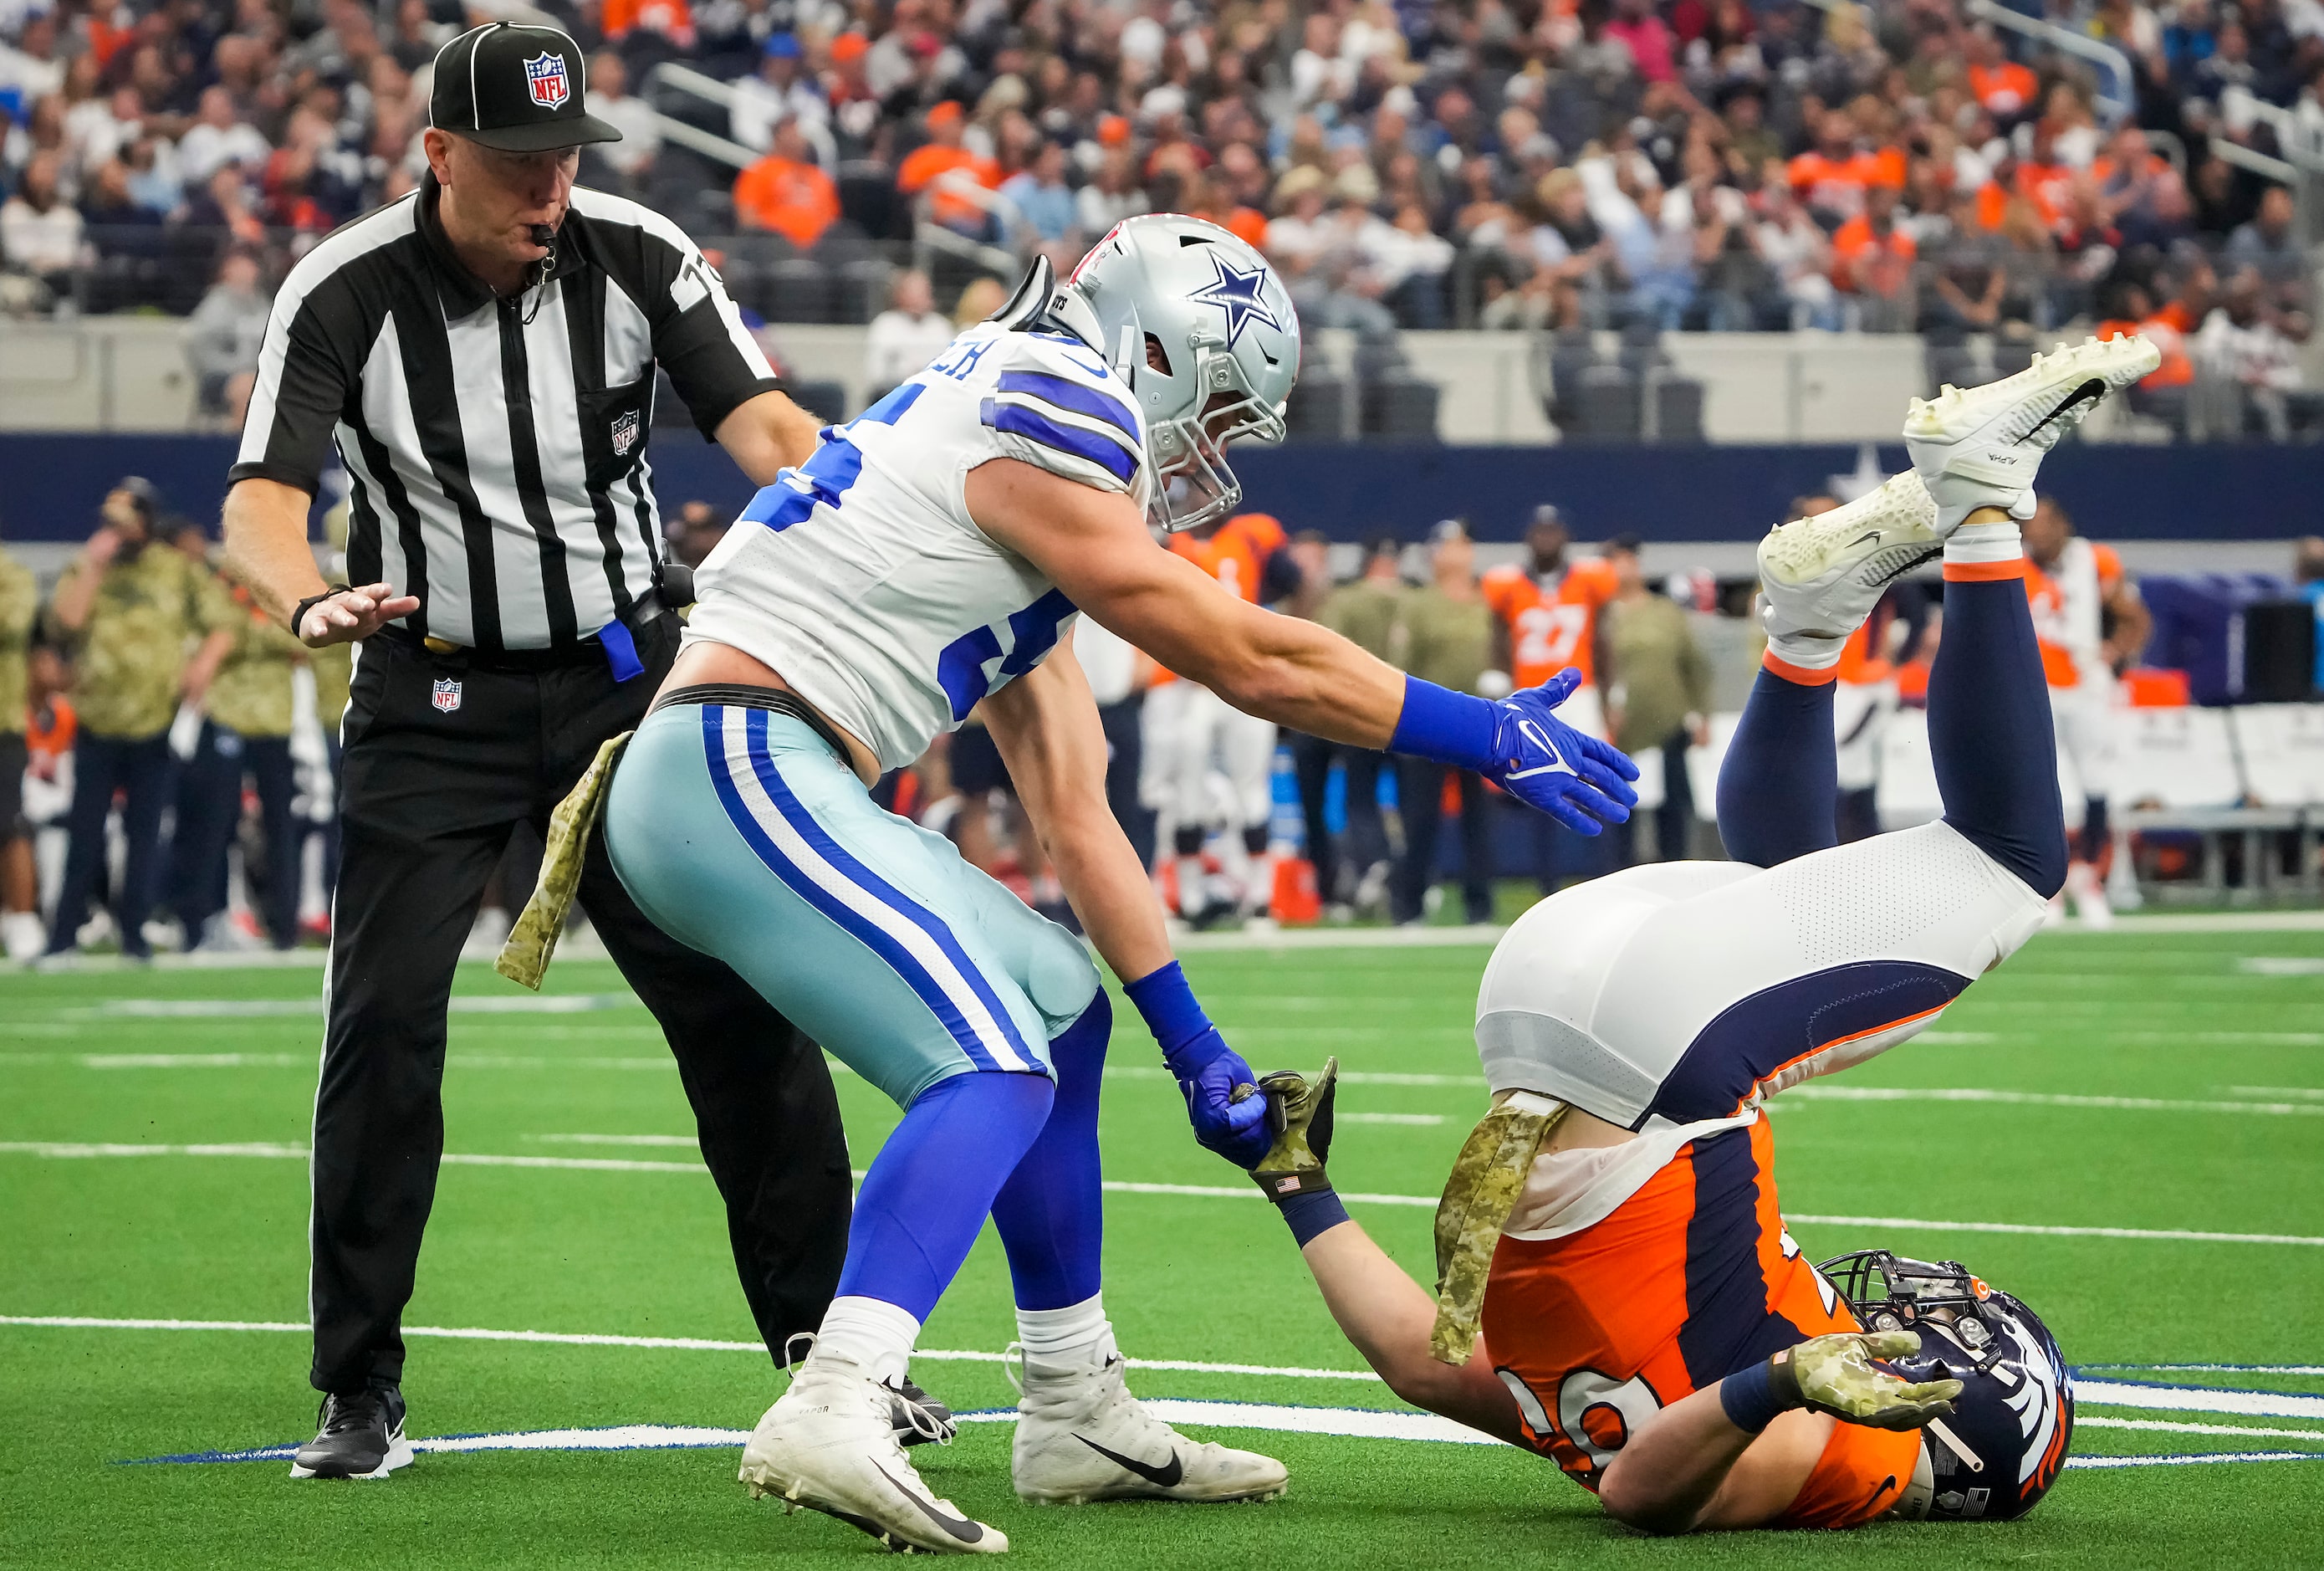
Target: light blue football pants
<point>740,834</point>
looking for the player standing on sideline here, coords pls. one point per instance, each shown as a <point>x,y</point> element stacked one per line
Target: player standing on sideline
<point>1647,1321</point>
<point>930,556</point>
<point>482,353</point>
<point>1187,726</point>
<point>2090,620</point>
<point>1546,621</point>
<point>21,933</point>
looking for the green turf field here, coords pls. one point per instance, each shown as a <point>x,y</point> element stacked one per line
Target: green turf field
<point>2164,1083</point>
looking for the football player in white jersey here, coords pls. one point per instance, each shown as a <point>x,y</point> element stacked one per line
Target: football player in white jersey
<point>930,556</point>
<point>1619,1291</point>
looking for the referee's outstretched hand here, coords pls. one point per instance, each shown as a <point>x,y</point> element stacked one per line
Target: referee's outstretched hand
<point>352,615</point>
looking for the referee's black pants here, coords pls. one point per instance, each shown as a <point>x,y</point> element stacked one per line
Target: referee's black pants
<point>435,776</point>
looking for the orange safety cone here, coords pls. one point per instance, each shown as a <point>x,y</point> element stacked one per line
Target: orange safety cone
<point>1297,899</point>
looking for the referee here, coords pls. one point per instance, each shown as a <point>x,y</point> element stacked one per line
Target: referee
<point>483,353</point>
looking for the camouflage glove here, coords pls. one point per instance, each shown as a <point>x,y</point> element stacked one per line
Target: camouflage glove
<point>1299,1111</point>
<point>1836,1374</point>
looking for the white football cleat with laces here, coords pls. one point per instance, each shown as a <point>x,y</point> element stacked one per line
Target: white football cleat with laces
<point>1081,1436</point>
<point>829,1445</point>
<point>1820,577</point>
<point>1982,446</point>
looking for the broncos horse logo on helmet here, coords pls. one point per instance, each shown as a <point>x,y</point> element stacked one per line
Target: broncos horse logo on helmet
<point>1201,331</point>
<point>2001,1448</point>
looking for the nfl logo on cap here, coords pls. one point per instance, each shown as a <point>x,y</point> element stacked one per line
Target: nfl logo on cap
<point>446,695</point>
<point>545,75</point>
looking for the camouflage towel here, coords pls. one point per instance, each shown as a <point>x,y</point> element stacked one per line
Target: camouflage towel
<point>1487,1179</point>
<point>524,958</point>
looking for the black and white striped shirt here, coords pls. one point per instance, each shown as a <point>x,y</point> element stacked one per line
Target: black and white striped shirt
<point>497,447</point>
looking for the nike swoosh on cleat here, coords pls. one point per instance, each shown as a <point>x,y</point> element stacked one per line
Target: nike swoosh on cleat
<point>1898,571</point>
<point>1860,539</point>
<point>960,1527</point>
<point>1160,1477</point>
<point>2090,392</point>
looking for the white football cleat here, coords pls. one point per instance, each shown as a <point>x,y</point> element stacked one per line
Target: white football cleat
<point>829,1445</point>
<point>2082,887</point>
<point>1081,1436</point>
<point>1820,577</point>
<point>1981,447</point>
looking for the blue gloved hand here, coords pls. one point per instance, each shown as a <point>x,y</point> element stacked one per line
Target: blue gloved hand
<point>1581,782</point>
<point>1521,745</point>
<point>1222,1099</point>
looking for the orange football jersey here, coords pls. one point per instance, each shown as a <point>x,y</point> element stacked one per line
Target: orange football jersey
<point>1689,1279</point>
<point>1236,556</point>
<point>1550,629</point>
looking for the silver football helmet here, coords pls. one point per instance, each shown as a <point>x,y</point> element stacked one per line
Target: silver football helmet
<point>1201,331</point>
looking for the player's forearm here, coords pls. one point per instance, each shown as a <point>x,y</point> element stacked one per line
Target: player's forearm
<point>76,595</point>
<point>767,434</point>
<point>1669,1470</point>
<point>1387,1316</point>
<point>1109,890</point>
<point>266,547</point>
<point>1301,675</point>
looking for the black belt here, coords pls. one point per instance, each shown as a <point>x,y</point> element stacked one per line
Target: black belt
<point>644,611</point>
<point>774,700</point>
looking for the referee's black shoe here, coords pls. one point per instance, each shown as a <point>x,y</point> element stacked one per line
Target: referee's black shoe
<point>935,1422</point>
<point>361,1436</point>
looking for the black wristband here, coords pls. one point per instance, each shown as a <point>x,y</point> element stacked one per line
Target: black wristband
<point>299,612</point>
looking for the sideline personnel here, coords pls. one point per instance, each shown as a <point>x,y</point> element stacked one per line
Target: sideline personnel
<point>482,352</point>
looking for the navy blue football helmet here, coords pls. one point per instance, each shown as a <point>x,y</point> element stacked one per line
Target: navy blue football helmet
<point>2001,1448</point>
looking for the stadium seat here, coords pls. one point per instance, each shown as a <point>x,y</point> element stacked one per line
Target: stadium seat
<point>1907,792</point>
<point>1678,409</point>
<point>2282,751</point>
<point>826,400</point>
<point>798,291</point>
<point>1607,408</point>
<point>1400,404</point>
<point>1319,405</point>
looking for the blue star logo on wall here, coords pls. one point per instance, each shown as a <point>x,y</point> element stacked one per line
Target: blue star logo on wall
<point>1237,293</point>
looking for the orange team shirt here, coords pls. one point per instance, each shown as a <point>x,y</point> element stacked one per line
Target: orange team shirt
<point>1236,556</point>
<point>1863,260</point>
<point>796,201</point>
<point>2178,367</point>
<point>1856,661</point>
<point>1691,1279</point>
<point>2004,89</point>
<point>2048,598</point>
<point>1550,629</point>
<point>925,165</point>
<point>1837,185</point>
<point>673,19</point>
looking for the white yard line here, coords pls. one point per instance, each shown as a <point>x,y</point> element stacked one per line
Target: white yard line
<point>70,1150</point>
<point>1817,1092</point>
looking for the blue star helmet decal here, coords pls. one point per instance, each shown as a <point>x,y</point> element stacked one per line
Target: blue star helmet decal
<point>1237,293</point>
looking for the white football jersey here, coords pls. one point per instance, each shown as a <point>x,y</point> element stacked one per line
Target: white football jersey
<point>860,577</point>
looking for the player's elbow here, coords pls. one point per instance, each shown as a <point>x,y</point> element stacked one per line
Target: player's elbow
<point>1634,1500</point>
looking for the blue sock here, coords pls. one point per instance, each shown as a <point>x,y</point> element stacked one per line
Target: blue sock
<point>1989,728</point>
<point>1050,1211</point>
<point>1779,784</point>
<point>933,1184</point>
<point>2096,832</point>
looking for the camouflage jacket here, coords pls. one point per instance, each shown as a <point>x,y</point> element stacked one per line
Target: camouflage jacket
<point>252,694</point>
<point>20,603</point>
<point>130,657</point>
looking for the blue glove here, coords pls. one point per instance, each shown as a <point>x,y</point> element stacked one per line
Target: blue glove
<point>1521,745</point>
<point>1222,1100</point>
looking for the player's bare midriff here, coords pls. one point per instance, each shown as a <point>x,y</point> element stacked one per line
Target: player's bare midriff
<point>705,662</point>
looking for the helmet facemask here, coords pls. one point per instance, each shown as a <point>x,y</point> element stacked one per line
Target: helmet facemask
<point>1192,482</point>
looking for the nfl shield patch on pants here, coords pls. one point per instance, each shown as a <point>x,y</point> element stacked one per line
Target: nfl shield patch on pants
<point>447,694</point>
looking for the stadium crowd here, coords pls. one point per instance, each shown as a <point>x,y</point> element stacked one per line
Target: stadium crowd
<point>1690,163</point>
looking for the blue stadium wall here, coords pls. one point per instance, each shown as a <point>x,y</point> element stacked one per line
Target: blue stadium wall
<point>51,484</point>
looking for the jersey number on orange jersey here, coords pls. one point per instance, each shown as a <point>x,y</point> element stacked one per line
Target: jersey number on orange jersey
<point>1547,636</point>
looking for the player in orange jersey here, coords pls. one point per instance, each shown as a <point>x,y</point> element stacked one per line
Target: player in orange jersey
<point>1545,619</point>
<point>1619,1291</point>
<point>1192,734</point>
<point>2090,620</point>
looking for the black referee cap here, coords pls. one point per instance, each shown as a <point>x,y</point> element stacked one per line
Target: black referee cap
<point>515,88</point>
